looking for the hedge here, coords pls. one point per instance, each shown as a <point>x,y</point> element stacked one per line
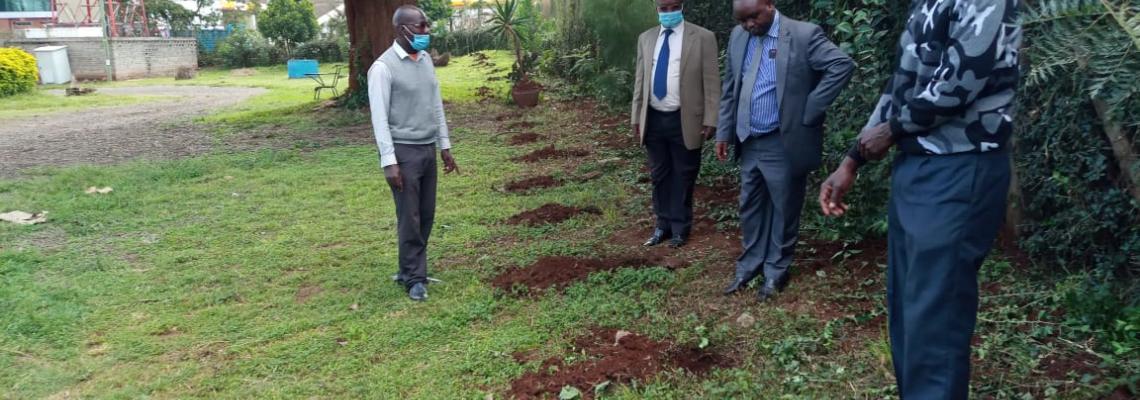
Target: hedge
<point>18,72</point>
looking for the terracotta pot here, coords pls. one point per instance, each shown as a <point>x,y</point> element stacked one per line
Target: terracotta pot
<point>525,94</point>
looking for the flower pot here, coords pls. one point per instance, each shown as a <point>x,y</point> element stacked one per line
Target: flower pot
<point>525,94</point>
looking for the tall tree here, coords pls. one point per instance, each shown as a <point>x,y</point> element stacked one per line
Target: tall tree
<point>370,32</point>
<point>436,10</point>
<point>288,22</point>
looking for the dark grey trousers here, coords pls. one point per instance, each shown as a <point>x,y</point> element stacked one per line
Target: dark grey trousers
<point>673,168</point>
<point>415,209</point>
<point>771,200</point>
<point>945,213</point>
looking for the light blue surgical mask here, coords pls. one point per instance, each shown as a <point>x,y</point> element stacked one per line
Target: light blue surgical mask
<point>419,42</point>
<point>670,20</point>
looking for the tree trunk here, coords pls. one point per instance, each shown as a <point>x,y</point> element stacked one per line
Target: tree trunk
<point>1121,149</point>
<point>370,33</point>
<point>1011,230</point>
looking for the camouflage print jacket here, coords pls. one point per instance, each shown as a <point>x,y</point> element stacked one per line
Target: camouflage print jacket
<point>956,77</point>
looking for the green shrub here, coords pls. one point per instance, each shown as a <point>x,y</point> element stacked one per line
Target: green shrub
<point>323,50</point>
<point>461,43</point>
<point>245,49</point>
<point>18,72</point>
<point>288,22</point>
<point>208,59</point>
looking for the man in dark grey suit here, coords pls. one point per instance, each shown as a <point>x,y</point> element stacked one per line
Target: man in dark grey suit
<point>781,76</point>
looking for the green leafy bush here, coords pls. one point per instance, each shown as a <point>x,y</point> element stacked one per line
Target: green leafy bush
<point>461,43</point>
<point>18,72</point>
<point>288,22</point>
<point>324,50</point>
<point>246,48</point>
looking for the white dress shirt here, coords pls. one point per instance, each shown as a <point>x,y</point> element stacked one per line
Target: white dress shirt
<point>672,100</point>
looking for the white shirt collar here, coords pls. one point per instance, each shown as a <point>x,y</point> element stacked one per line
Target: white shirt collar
<point>680,29</point>
<point>774,31</point>
<point>403,54</point>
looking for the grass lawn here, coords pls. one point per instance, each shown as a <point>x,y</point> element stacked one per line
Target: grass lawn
<point>265,274</point>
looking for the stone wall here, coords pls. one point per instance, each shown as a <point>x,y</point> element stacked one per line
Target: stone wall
<point>132,57</point>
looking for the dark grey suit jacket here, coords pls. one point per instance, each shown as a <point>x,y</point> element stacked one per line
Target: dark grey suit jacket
<point>810,73</point>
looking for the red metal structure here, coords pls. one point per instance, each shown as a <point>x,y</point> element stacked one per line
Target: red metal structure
<point>65,16</point>
<point>127,18</point>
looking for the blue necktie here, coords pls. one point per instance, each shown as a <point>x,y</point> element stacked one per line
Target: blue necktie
<point>661,76</point>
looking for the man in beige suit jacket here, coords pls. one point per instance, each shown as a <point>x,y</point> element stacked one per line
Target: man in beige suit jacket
<point>676,96</point>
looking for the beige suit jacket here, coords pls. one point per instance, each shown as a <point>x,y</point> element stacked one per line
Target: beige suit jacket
<point>700,82</point>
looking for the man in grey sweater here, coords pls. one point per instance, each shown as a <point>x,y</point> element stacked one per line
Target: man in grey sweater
<point>408,119</point>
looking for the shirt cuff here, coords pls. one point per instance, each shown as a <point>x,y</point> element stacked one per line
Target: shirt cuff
<point>387,159</point>
<point>443,143</point>
<point>897,130</point>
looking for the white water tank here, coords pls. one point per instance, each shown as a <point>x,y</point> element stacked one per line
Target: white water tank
<point>53,65</point>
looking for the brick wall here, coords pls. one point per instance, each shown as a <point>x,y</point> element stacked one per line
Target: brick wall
<point>133,57</point>
<point>153,57</point>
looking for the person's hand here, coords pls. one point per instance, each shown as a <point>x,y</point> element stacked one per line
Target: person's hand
<point>836,186</point>
<point>395,180</point>
<point>708,132</point>
<point>449,164</point>
<point>875,142</point>
<point>637,133</point>
<point>722,151</point>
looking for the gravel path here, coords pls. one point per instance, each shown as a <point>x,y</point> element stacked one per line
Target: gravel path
<point>154,130</point>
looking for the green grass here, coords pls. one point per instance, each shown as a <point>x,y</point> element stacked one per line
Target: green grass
<point>40,103</point>
<point>264,274</point>
<point>183,267</point>
<point>461,79</point>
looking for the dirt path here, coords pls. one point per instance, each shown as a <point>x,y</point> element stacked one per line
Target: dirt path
<point>105,135</point>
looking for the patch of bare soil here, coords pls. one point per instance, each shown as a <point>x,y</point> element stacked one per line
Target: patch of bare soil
<point>825,269</point>
<point>718,195</point>
<point>705,239</point>
<point>524,138</point>
<point>520,125</point>
<point>1059,367</point>
<point>1121,393</point>
<point>550,214</point>
<point>550,152</point>
<point>509,115</point>
<point>528,184</point>
<point>617,358</point>
<point>107,135</point>
<point>306,292</point>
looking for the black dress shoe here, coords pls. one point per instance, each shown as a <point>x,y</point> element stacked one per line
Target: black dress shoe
<point>658,237</point>
<point>770,288</point>
<point>736,286</point>
<point>418,292</point>
<point>677,241</point>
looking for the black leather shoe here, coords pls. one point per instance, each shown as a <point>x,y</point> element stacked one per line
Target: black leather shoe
<point>770,288</point>
<point>736,286</point>
<point>677,241</point>
<point>658,237</point>
<point>418,292</point>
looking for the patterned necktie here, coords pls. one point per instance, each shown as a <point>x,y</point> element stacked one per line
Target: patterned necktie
<point>661,76</point>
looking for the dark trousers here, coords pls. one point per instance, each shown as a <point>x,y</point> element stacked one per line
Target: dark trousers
<point>674,169</point>
<point>771,201</point>
<point>415,209</point>
<point>945,212</point>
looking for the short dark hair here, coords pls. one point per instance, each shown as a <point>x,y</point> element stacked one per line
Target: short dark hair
<point>401,13</point>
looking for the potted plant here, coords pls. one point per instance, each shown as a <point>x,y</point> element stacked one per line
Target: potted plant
<point>508,22</point>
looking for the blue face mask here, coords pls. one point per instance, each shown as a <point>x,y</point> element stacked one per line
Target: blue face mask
<point>419,42</point>
<point>670,20</point>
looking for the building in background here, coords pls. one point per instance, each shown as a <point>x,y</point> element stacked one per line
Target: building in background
<point>23,14</point>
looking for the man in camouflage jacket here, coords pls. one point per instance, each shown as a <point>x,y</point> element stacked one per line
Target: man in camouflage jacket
<point>949,110</point>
